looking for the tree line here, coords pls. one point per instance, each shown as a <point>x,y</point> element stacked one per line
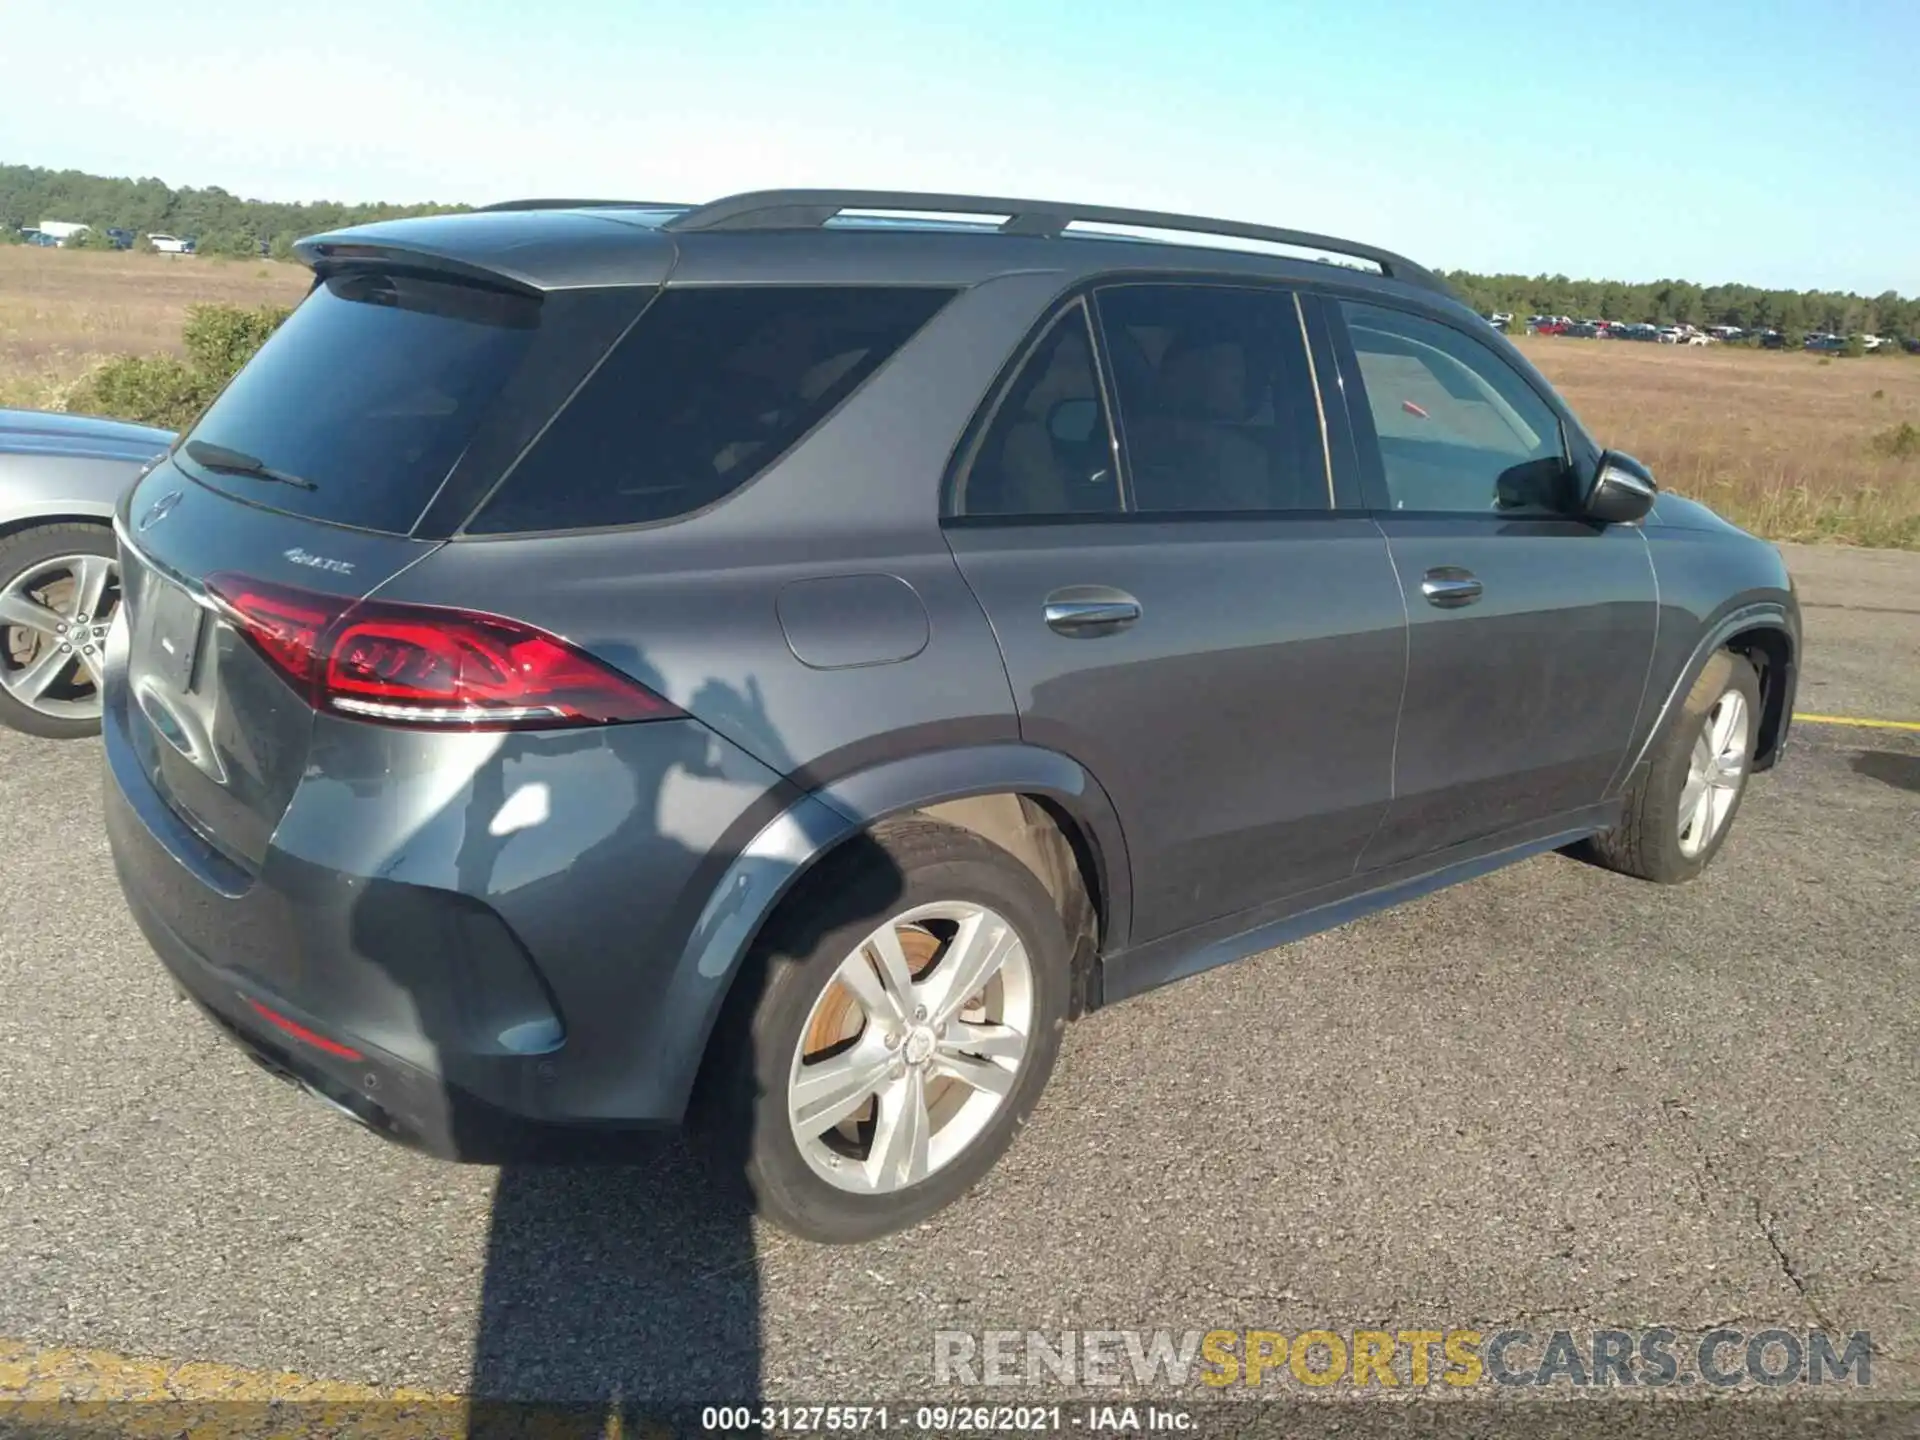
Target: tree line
<point>225,222</point>
<point>221,222</point>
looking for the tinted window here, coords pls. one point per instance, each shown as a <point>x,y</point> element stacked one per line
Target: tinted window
<point>1216,399</point>
<point>1458,428</point>
<point>368,392</point>
<point>1049,450</point>
<point>707,389</point>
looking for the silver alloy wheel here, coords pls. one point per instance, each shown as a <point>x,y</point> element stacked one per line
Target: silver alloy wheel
<point>1715,772</point>
<point>912,1047</point>
<point>54,618</point>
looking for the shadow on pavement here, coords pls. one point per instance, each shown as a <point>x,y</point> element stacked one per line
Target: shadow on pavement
<point>1889,767</point>
<point>623,1290</point>
<point>628,1290</point>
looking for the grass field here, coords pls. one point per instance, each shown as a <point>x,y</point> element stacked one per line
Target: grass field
<point>63,311</point>
<point>1783,444</point>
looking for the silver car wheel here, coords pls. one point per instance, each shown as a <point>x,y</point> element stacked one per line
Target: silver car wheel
<point>1716,770</point>
<point>912,1047</point>
<point>54,618</point>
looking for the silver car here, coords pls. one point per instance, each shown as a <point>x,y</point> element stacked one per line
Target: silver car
<point>60,476</point>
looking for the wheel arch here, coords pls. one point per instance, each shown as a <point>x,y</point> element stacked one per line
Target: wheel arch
<point>72,514</point>
<point>1770,650</point>
<point>1026,799</point>
<point>1767,633</point>
<point>1042,807</point>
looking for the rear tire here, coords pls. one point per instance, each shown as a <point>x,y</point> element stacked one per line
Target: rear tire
<point>1683,800</point>
<point>67,705</point>
<point>936,1084</point>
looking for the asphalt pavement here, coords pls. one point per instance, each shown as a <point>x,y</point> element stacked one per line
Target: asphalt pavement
<point>1553,1097</point>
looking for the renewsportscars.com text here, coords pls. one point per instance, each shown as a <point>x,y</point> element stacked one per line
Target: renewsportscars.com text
<point>1163,1360</point>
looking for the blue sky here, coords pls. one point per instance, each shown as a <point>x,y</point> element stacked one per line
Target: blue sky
<point>1770,141</point>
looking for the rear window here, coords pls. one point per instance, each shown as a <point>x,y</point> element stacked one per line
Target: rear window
<point>363,400</point>
<point>709,387</point>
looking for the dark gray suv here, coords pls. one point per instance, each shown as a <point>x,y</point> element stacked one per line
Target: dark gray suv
<point>784,658</point>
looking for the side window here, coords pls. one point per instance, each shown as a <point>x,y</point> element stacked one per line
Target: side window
<point>1216,398</point>
<point>1049,450</point>
<point>709,387</point>
<point>1458,428</point>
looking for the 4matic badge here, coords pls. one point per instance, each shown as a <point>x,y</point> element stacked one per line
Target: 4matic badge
<point>318,562</point>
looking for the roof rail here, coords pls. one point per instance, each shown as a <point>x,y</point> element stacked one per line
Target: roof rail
<point>580,205</point>
<point>810,209</point>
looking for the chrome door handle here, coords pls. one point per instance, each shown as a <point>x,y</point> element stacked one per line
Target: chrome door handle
<point>1450,587</point>
<point>1085,611</point>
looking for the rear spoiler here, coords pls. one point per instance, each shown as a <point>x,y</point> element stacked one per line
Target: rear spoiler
<point>326,255</point>
<point>533,251</point>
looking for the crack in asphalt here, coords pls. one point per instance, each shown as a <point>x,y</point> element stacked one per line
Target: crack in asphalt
<point>1764,1221</point>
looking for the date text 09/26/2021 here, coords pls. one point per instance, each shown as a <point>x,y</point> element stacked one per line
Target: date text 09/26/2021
<point>945,1419</point>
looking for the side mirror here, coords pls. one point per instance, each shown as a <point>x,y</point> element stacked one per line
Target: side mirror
<point>1623,491</point>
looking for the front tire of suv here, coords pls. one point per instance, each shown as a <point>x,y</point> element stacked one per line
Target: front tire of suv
<point>891,1033</point>
<point>1683,802</point>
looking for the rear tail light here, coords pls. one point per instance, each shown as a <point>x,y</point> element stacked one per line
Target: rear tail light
<point>425,666</point>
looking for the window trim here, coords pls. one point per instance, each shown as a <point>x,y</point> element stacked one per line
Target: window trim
<point>960,466</point>
<point>1343,500</point>
<point>1370,465</point>
<point>1343,447</point>
<point>1319,400</point>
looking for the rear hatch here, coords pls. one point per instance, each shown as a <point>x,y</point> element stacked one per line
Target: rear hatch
<point>347,449</point>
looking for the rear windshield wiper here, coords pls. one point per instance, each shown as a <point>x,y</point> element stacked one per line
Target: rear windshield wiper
<point>238,462</point>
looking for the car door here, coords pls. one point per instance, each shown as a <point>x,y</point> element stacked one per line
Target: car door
<point>1181,605</point>
<point>1531,629</point>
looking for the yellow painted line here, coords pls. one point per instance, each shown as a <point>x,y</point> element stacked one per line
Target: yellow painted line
<point>33,1372</point>
<point>1913,725</point>
<point>56,1390</point>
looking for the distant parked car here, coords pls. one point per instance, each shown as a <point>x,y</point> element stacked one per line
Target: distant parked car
<point>60,477</point>
<point>1584,330</point>
<point>1911,344</point>
<point>40,238</point>
<point>122,239</point>
<point>170,244</point>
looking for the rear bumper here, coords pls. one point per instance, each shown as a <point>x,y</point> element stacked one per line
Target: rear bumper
<point>398,1101</point>
<point>511,993</point>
